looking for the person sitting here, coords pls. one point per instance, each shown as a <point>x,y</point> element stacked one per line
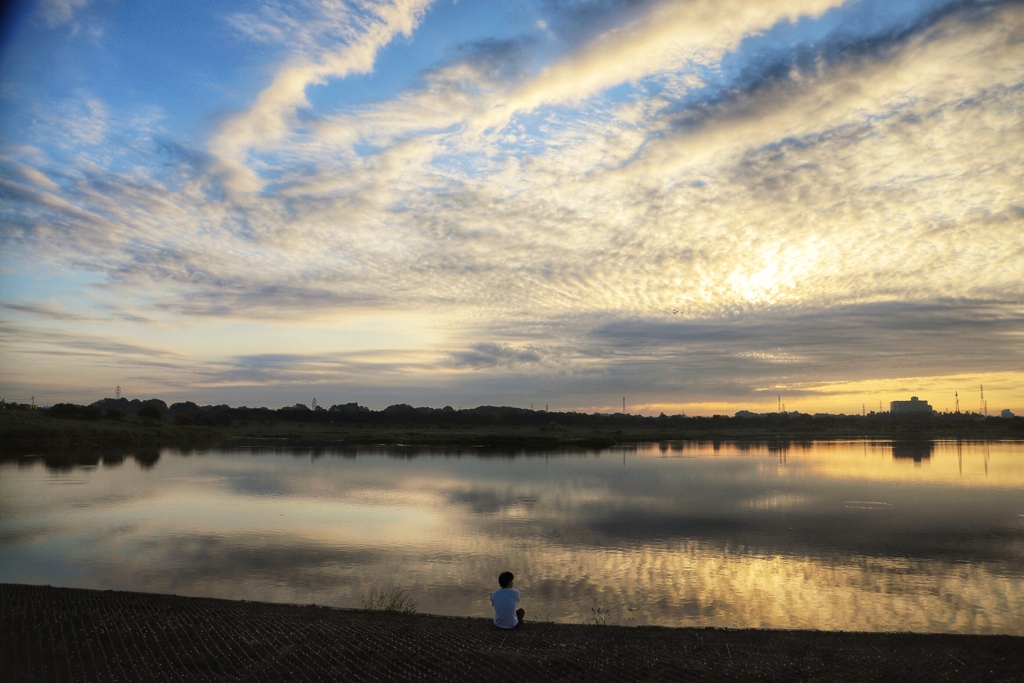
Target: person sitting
<point>505,600</point>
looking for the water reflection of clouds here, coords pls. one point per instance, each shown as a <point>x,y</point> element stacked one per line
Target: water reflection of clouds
<point>996,464</point>
<point>250,566</point>
<point>723,541</point>
<point>866,505</point>
<point>691,583</point>
<point>776,502</point>
<point>802,514</point>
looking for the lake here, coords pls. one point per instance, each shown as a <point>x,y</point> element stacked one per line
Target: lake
<point>839,535</point>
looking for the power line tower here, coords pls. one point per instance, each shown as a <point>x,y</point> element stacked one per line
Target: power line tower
<point>981,408</point>
<point>117,391</point>
<point>957,394</point>
<point>623,405</point>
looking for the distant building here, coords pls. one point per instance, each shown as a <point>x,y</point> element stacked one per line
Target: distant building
<point>911,407</point>
<point>1006,413</point>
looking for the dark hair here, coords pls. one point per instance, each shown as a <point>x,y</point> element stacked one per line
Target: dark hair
<point>505,578</point>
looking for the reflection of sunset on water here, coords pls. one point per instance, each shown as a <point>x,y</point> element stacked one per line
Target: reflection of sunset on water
<point>694,584</point>
<point>997,463</point>
<point>835,536</point>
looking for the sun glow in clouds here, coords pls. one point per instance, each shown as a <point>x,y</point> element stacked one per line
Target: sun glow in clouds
<point>470,203</point>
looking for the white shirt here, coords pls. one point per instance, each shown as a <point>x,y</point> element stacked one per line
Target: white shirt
<point>505,601</point>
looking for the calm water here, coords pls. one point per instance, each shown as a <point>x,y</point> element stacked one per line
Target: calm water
<point>830,535</point>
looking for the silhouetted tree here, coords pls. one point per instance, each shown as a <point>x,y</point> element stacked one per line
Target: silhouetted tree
<point>150,412</point>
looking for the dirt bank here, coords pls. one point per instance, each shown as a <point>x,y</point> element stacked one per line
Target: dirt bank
<point>64,634</point>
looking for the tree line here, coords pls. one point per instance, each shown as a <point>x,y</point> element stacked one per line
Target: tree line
<point>405,415</point>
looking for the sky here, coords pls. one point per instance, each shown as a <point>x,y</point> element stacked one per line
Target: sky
<point>698,206</point>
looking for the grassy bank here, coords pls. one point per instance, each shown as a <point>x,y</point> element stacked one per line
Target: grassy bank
<point>22,430</point>
<point>25,431</point>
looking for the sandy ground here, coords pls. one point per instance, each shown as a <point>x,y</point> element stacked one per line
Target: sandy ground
<point>64,634</point>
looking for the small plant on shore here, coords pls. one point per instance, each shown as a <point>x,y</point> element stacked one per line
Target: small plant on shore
<point>632,614</point>
<point>599,615</point>
<point>602,616</point>
<point>387,599</point>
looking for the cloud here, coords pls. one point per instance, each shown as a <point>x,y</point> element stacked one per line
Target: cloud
<point>56,342</point>
<point>268,301</point>
<point>662,40</point>
<point>27,175</point>
<point>758,203</point>
<point>58,12</point>
<point>754,352</point>
<point>490,355</point>
<point>790,177</point>
<point>751,135</point>
<point>274,368</point>
<point>268,120</point>
<point>330,369</point>
<point>49,311</point>
<point>578,20</point>
<point>667,38</point>
<point>82,121</point>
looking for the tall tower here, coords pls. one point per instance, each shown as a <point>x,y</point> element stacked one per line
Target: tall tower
<point>957,394</point>
<point>117,391</point>
<point>981,408</point>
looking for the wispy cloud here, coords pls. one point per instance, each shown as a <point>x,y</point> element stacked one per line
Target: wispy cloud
<point>268,120</point>
<point>55,342</point>
<point>631,194</point>
<point>48,311</point>
<point>59,12</point>
<point>489,355</point>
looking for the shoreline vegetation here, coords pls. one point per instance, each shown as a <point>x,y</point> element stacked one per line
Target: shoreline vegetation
<point>152,424</point>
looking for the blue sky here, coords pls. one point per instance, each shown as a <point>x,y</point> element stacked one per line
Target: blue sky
<point>700,206</point>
